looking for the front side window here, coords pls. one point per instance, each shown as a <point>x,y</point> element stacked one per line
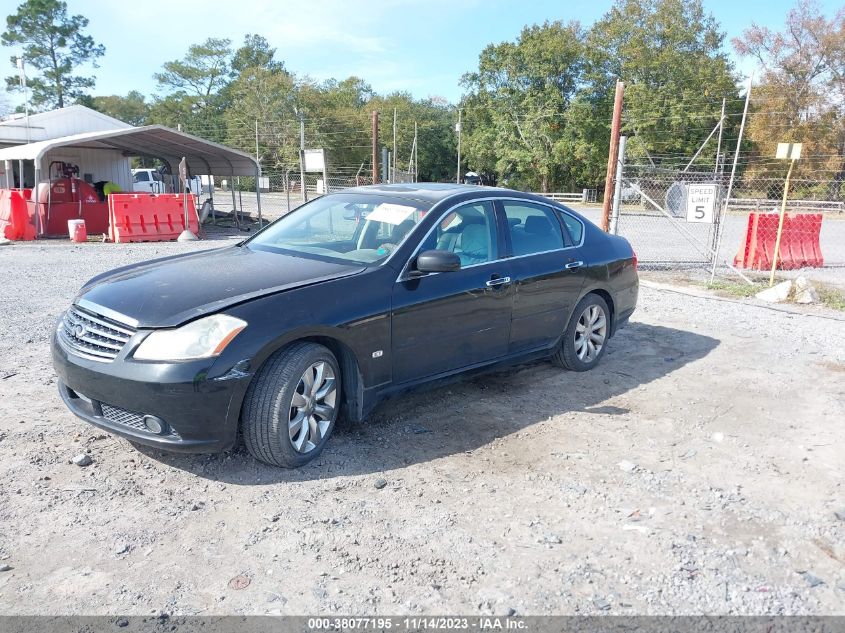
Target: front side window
<point>468,231</point>
<point>533,228</point>
<point>361,228</point>
<point>141,176</point>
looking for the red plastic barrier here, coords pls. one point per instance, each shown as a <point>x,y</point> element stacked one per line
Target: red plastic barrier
<point>799,244</point>
<point>744,257</point>
<point>15,219</point>
<point>804,246</point>
<point>150,218</point>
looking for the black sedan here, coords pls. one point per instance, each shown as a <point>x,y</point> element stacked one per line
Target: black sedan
<point>351,298</point>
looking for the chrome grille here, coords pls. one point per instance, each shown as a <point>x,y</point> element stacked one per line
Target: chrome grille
<point>128,418</point>
<point>92,336</point>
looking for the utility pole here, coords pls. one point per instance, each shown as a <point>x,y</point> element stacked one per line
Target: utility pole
<point>413,154</point>
<point>613,155</point>
<point>375,147</point>
<point>302,186</point>
<point>257,155</point>
<point>385,165</point>
<point>257,178</point>
<point>719,170</point>
<point>22,81</point>
<point>393,163</point>
<point>416,155</point>
<point>458,130</point>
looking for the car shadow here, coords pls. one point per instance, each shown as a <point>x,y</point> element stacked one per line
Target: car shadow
<point>439,421</point>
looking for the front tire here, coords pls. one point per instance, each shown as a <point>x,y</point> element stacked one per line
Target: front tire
<point>585,340</point>
<point>291,405</point>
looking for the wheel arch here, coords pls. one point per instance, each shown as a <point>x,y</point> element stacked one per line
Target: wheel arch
<point>352,379</point>
<point>608,299</point>
<point>352,383</point>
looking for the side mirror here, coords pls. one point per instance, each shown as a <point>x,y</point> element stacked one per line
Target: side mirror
<point>438,262</point>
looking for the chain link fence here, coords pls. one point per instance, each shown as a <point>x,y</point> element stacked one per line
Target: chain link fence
<point>399,175</point>
<point>235,200</point>
<point>681,220</point>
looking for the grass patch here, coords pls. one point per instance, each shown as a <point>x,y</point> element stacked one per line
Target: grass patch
<point>733,289</point>
<point>831,297</point>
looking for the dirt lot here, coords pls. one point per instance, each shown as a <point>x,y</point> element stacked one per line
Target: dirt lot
<point>698,470</point>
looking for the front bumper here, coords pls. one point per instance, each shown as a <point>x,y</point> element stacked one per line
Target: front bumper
<point>200,413</point>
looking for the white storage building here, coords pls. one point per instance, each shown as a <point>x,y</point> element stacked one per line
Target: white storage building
<point>94,164</point>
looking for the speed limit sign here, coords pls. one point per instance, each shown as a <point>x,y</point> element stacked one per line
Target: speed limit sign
<point>701,203</point>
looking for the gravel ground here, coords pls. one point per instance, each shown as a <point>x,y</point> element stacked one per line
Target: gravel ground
<point>699,469</point>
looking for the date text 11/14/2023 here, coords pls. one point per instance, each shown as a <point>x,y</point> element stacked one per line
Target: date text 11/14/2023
<point>417,623</point>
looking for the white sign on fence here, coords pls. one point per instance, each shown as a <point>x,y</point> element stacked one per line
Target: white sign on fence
<point>701,203</point>
<point>315,159</point>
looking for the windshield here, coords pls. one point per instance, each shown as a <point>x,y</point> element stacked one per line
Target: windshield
<point>356,227</point>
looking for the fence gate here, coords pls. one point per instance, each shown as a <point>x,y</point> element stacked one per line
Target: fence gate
<point>671,217</point>
<point>399,175</point>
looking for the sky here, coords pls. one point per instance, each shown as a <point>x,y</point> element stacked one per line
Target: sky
<point>422,47</point>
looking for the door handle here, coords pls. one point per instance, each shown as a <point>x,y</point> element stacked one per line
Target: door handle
<point>499,281</point>
<point>574,265</point>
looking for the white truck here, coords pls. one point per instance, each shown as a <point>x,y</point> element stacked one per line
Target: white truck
<point>147,180</point>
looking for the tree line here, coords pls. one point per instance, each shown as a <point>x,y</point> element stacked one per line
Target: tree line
<point>535,112</point>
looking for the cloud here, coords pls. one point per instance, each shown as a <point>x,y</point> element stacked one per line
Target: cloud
<point>318,26</point>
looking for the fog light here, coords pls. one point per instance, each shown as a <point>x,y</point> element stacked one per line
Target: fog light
<point>154,424</point>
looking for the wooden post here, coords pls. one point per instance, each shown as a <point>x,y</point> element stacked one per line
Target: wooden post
<point>375,147</point>
<point>613,155</point>
<point>780,223</point>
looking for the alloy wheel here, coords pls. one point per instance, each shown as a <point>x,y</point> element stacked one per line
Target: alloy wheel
<point>312,407</point>
<point>590,333</point>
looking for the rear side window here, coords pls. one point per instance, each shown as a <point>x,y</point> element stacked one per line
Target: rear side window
<point>573,226</point>
<point>533,228</point>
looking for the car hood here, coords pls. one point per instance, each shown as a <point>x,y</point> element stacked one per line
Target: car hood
<point>170,291</point>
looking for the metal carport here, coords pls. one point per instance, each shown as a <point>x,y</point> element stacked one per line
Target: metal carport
<point>155,141</point>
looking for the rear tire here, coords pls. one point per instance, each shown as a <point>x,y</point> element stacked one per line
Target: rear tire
<point>585,340</point>
<point>291,406</point>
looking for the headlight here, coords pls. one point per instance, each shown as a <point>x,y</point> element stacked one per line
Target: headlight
<point>202,338</point>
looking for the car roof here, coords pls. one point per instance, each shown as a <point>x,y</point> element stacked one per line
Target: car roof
<point>431,192</point>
